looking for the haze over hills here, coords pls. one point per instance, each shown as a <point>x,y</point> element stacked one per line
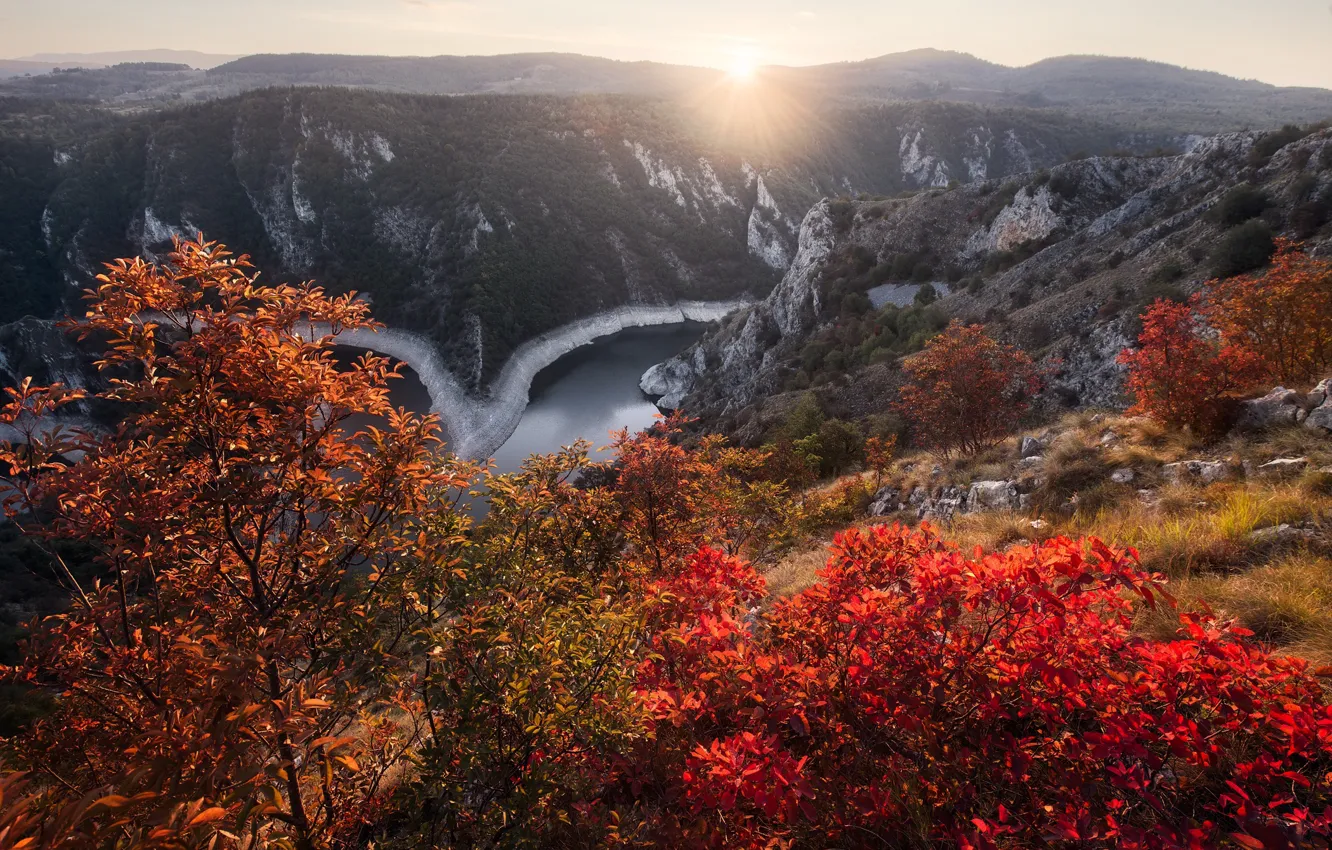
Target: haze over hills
<point>193,58</point>
<point>1150,95</point>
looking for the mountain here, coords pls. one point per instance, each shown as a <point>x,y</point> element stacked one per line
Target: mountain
<point>1154,95</point>
<point>480,222</point>
<point>1131,93</point>
<point>1059,261</point>
<point>193,58</point>
<point>526,73</point>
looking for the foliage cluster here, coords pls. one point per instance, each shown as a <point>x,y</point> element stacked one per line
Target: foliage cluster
<point>303,641</point>
<point>1193,359</point>
<point>966,391</point>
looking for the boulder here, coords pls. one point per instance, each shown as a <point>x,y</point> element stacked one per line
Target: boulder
<point>1320,418</point>
<point>1031,464</point>
<point>1321,393</point>
<point>1280,535</point>
<point>1282,468</point>
<point>886,501</point>
<point>1123,476</point>
<point>993,496</point>
<point>943,507</point>
<point>1279,407</point>
<point>1198,471</point>
<point>1031,447</point>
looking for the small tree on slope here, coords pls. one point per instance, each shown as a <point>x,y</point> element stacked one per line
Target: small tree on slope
<point>966,391</point>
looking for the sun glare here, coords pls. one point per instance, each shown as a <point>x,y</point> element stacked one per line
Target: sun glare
<point>742,69</point>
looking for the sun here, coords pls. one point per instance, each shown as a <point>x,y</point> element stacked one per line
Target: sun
<point>742,69</point>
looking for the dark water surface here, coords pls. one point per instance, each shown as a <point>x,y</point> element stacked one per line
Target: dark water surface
<point>594,390</point>
<point>586,394</point>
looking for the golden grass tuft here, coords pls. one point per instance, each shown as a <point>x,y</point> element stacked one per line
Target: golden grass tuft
<point>795,572</point>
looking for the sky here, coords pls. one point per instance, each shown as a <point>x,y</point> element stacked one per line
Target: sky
<point>1287,42</point>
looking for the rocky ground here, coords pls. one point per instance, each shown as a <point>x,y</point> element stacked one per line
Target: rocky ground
<point>1239,526</point>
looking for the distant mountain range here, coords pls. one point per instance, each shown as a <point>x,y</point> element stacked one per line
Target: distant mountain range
<point>193,58</point>
<point>1152,96</point>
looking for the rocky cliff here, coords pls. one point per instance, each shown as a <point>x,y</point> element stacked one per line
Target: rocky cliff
<point>1058,260</point>
<point>481,223</point>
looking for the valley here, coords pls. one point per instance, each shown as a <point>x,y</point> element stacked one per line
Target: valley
<point>974,492</point>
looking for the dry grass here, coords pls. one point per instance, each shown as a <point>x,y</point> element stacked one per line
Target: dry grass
<point>1286,603</point>
<point>1200,538</point>
<point>795,572</point>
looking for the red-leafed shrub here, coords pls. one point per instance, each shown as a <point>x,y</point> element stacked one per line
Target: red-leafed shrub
<point>966,391</point>
<point>1180,375</point>
<point>919,697</point>
<point>1282,318</point>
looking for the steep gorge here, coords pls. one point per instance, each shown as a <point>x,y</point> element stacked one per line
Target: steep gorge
<point>1060,261</point>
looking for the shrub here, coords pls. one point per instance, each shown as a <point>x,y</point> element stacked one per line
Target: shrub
<point>1243,249</point>
<point>1180,377</point>
<point>1266,147</point>
<point>1065,185</point>
<point>842,445</point>
<point>1282,318</point>
<point>1240,204</point>
<point>1308,217</point>
<point>966,391</point>
<point>990,702</point>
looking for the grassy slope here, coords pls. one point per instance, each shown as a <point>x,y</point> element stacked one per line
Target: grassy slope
<point>1200,537</point>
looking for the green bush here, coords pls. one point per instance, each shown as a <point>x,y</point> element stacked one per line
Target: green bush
<point>1239,205</point>
<point>1268,145</point>
<point>1243,249</point>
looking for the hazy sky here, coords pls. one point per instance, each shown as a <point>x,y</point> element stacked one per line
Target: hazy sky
<point>1281,41</point>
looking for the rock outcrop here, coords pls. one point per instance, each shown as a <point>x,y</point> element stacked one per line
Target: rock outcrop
<point>1056,261</point>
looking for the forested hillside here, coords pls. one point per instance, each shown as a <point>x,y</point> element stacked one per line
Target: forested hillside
<point>483,221</point>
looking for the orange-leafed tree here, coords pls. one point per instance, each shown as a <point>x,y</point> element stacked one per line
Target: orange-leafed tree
<point>1182,376</point>
<point>967,391</point>
<point>240,670</point>
<point>879,454</point>
<point>1281,317</point>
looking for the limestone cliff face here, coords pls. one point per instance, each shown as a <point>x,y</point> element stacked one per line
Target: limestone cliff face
<point>736,362</point>
<point>483,223</point>
<point>1059,261</point>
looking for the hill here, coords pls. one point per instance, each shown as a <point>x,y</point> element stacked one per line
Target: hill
<point>1132,93</point>
<point>193,58</point>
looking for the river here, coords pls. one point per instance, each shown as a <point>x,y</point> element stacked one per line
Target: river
<point>585,394</point>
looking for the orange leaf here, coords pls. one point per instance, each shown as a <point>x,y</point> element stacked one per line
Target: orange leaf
<point>207,816</point>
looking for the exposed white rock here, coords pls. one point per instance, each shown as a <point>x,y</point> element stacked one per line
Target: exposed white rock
<point>923,168</point>
<point>980,147</point>
<point>1279,407</point>
<point>1201,471</point>
<point>712,188</point>
<point>659,174</point>
<point>796,300</point>
<point>1017,152</point>
<point>404,229</point>
<point>1029,218</point>
<point>305,212</point>
<point>993,496</point>
<point>155,231</point>
<point>1031,447</point>
<point>767,242</point>
<point>1286,467</point>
